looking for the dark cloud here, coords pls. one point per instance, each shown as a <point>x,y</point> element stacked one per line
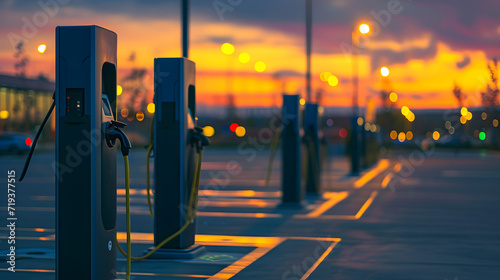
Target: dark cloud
<point>462,64</point>
<point>461,24</point>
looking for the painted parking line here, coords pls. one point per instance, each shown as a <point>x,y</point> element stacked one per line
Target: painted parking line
<point>118,273</point>
<point>263,245</point>
<point>358,215</point>
<point>327,205</point>
<point>368,176</point>
<point>387,180</point>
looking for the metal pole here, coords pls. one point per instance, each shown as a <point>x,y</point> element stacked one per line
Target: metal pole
<point>185,28</point>
<point>308,47</point>
<point>355,157</point>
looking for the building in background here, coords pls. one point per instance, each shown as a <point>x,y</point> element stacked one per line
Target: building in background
<point>24,103</point>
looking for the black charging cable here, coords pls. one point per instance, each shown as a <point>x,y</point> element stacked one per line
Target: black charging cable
<point>35,141</point>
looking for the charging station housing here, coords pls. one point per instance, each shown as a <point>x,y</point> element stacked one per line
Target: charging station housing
<point>85,166</point>
<point>175,155</point>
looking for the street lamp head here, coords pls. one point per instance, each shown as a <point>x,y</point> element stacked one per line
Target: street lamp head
<point>364,28</point>
<point>41,48</point>
<point>384,71</point>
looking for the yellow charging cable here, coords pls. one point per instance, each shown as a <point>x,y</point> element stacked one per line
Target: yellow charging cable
<point>148,155</point>
<point>127,202</point>
<point>148,183</point>
<point>274,146</point>
<point>192,209</point>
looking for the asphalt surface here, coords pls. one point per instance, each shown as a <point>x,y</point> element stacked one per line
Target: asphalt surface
<point>432,215</point>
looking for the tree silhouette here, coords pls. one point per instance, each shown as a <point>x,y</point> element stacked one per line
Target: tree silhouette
<point>459,95</point>
<point>489,98</point>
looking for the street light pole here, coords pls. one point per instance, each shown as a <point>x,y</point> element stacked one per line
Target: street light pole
<point>308,47</point>
<point>356,151</point>
<point>185,28</point>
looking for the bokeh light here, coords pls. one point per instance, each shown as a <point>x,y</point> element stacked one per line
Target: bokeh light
<point>260,66</point>
<point>124,112</point>
<point>360,121</point>
<point>119,90</point>
<point>393,97</point>
<point>343,132</point>
<point>484,116</point>
<point>405,110</point>
<point>384,71</point>
<point>4,114</point>
<point>495,123</point>
<point>302,101</point>
<point>227,49</point>
<point>42,48</point>
<point>240,131</point>
<point>324,76</point>
<point>482,135</point>
<point>151,108</point>
<point>208,131</point>
<point>394,135</point>
<point>402,137</point>
<point>364,28</point>
<point>333,81</point>
<point>409,135</point>
<point>464,111</point>
<point>233,127</point>
<point>244,57</point>
<point>436,135</point>
<point>139,116</point>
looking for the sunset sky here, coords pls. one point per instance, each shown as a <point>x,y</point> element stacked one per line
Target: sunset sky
<point>427,45</point>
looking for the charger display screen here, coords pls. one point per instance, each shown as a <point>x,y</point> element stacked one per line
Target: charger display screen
<point>106,107</point>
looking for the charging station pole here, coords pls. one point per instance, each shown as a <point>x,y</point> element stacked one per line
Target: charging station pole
<point>291,176</point>
<point>175,156</point>
<point>311,126</point>
<point>85,165</point>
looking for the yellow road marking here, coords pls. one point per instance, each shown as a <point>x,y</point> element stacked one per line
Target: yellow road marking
<point>319,261</point>
<point>368,176</point>
<point>387,180</point>
<point>358,215</point>
<point>334,200</point>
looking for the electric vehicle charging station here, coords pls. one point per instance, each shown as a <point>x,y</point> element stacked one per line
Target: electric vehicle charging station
<point>86,159</point>
<point>291,176</point>
<point>312,141</point>
<point>175,156</point>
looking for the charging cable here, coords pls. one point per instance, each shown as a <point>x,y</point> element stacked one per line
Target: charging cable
<point>35,141</point>
<point>200,142</point>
